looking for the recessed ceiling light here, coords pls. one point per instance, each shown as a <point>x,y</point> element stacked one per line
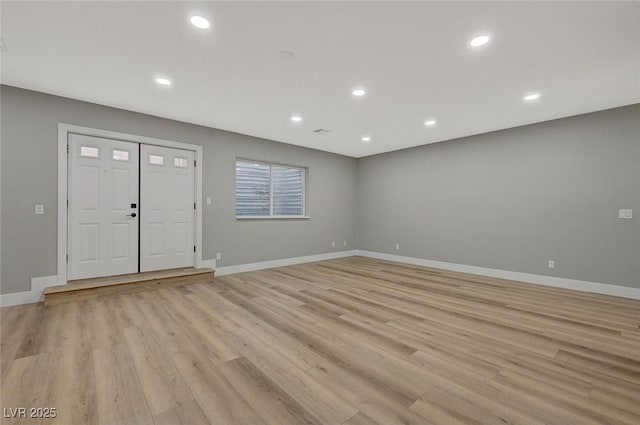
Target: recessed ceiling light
<point>365,139</point>
<point>531,97</point>
<point>359,92</point>
<point>296,118</point>
<point>430,123</point>
<point>163,81</point>
<point>200,22</point>
<point>479,40</point>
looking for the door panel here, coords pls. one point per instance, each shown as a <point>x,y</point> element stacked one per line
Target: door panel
<point>103,184</point>
<point>167,182</point>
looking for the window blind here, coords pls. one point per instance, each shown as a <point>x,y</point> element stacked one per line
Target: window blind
<point>265,190</point>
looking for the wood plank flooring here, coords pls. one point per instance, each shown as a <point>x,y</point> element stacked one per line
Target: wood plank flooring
<point>353,341</point>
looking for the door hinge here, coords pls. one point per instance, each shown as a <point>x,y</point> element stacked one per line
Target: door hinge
<point>67,258</point>
<point>194,248</point>
<point>194,162</point>
<point>194,205</point>
<point>67,203</point>
<point>67,149</point>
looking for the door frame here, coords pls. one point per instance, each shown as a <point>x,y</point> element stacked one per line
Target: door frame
<point>63,135</point>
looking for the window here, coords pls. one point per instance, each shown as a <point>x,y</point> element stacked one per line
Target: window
<point>120,155</point>
<point>89,152</point>
<point>156,159</point>
<point>180,162</point>
<point>269,190</point>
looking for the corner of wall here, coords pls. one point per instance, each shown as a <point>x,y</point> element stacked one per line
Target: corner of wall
<point>27,297</point>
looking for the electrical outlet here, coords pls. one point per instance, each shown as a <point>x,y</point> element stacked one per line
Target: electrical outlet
<point>208,200</point>
<point>219,256</point>
<point>39,209</point>
<point>625,213</point>
<point>333,244</point>
<point>397,246</point>
<point>345,243</point>
<point>551,264</point>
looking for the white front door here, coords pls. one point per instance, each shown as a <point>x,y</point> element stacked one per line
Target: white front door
<point>103,198</point>
<point>167,187</point>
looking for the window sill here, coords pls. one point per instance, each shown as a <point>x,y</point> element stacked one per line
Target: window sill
<point>274,217</point>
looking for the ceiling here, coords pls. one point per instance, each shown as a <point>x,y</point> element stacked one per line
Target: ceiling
<point>413,58</point>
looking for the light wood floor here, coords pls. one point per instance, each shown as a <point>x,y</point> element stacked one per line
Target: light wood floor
<point>353,341</point>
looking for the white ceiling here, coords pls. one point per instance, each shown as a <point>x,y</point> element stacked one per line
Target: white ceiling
<point>413,58</point>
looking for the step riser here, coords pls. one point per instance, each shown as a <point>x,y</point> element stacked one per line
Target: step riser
<point>125,288</point>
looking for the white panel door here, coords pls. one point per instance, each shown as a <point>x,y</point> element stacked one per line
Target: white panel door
<point>167,187</point>
<point>103,196</point>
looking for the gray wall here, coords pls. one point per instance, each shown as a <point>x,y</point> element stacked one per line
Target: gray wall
<point>29,176</point>
<point>513,199</point>
<point>508,200</point>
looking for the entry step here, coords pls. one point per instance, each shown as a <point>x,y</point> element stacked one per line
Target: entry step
<point>87,289</point>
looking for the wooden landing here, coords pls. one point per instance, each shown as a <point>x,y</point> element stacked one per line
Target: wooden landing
<point>88,289</point>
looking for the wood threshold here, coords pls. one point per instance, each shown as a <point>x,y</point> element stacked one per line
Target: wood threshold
<point>89,289</point>
<point>78,285</point>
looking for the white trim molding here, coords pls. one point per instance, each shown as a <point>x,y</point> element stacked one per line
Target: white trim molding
<point>240,268</point>
<point>558,282</point>
<point>210,264</point>
<point>63,135</point>
<point>33,296</point>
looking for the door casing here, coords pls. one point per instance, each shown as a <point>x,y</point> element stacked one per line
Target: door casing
<point>63,134</point>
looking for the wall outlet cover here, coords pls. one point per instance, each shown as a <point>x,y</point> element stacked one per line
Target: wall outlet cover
<point>551,264</point>
<point>39,209</point>
<point>219,256</point>
<point>625,213</point>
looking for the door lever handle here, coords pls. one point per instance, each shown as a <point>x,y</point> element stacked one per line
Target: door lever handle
<point>132,215</point>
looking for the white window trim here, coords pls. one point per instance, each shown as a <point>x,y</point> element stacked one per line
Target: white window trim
<point>304,215</point>
<point>63,135</point>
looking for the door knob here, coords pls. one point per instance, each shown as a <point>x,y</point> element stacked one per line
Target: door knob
<point>132,215</point>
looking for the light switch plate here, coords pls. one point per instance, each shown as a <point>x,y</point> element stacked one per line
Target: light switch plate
<point>551,264</point>
<point>39,209</point>
<point>208,201</point>
<point>625,213</point>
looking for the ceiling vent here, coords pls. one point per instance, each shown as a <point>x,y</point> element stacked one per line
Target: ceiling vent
<point>321,131</point>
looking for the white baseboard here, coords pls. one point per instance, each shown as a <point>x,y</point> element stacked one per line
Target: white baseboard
<point>39,283</point>
<point>33,296</point>
<point>210,264</point>
<point>558,282</point>
<point>240,268</point>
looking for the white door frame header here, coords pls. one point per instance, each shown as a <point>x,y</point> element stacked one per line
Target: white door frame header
<point>63,134</point>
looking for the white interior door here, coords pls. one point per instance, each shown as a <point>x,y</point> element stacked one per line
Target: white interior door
<point>103,196</point>
<point>167,185</point>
